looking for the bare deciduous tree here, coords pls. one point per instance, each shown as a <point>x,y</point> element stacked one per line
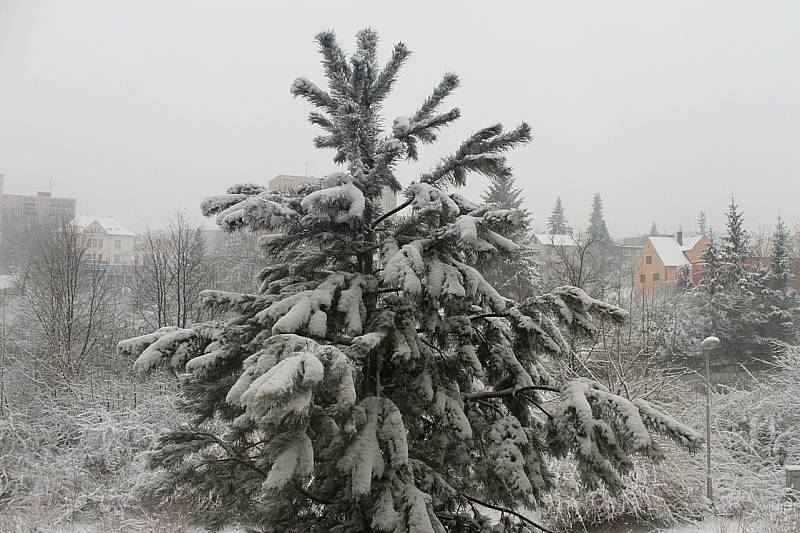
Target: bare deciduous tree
<point>171,271</point>
<point>65,295</point>
<point>581,263</point>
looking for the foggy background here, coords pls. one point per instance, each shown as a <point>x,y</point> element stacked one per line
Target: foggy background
<point>138,108</point>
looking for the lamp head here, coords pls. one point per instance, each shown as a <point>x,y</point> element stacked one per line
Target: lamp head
<point>710,343</point>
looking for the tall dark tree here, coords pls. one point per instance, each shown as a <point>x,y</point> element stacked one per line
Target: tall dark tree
<point>780,260</point>
<point>597,224</point>
<point>654,230</point>
<point>747,309</point>
<point>557,222</point>
<point>376,382</point>
<point>503,193</point>
<point>711,274</point>
<point>514,274</point>
<point>735,243</point>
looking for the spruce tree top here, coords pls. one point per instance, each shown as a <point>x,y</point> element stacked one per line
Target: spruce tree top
<point>597,224</point>
<point>736,241</point>
<point>375,381</point>
<point>557,222</point>
<point>780,260</point>
<point>502,193</point>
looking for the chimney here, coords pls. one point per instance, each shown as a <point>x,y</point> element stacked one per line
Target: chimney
<point>679,236</point>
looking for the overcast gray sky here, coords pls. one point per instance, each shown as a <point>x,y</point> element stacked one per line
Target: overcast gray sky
<point>140,107</point>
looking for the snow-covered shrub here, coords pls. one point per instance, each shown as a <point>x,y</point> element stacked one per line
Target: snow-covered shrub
<point>76,454</point>
<point>665,493</point>
<point>755,432</point>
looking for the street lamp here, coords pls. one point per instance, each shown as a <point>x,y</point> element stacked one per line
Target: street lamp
<point>707,345</point>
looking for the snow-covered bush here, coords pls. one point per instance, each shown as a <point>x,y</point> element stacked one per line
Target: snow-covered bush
<point>755,432</point>
<point>76,455</point>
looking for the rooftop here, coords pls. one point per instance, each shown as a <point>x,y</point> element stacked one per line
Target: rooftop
<point>671,252</point>
<point>108,225</point>
<point>555,239</point>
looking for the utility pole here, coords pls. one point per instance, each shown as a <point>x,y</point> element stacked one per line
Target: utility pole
<point>707,346</point>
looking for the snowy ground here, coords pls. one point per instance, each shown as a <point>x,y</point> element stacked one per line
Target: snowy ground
<point>712,525</point>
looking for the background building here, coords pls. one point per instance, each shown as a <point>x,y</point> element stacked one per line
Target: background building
<point>662,257</point>
<point>42,209</point>
<point>24,216</point>
<point>108,241</point>
<point>550,248</point>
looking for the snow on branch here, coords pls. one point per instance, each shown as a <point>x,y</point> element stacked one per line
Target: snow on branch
<point>136,345</point>
<point>575,308</point>
<point>218,300</point>
<point>602,429</point>
<point>337,200</point>
<point>428,199</point>
<point>263,211</point>
<point>375,421</point>
<point>316,96</point>
<point>405,267</point>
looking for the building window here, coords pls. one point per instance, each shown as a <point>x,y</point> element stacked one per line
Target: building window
<point>656,276</point>
<point>118,244</point>
<point>648,259</point>
<point>643,278</point>
<point>116,259</point>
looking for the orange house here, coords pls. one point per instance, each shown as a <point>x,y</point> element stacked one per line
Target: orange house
<point>662,257</point>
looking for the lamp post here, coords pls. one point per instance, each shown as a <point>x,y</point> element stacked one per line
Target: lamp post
<point>707,345</point>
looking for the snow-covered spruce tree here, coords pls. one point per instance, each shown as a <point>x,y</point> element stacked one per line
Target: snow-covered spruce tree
<point>513,273</point>
<point>375,382</point>
<point>734,244</point>
<point>557,222</point>
<point>597,223</point>
<point>780,259</point>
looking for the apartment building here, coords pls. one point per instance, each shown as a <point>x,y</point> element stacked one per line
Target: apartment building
<point>41,209</point>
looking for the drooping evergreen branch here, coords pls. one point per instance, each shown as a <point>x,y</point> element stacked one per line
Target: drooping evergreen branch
<point>482,395</point>
<point>506,510</point>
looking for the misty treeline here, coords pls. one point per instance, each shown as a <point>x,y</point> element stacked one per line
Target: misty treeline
<point>68,310</point>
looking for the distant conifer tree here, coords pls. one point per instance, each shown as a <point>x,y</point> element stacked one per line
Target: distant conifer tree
<point>702,225</point>
<point>557,222</point>
<point>514,274</point>
<point>597,224</point>
<point>780,260</point>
